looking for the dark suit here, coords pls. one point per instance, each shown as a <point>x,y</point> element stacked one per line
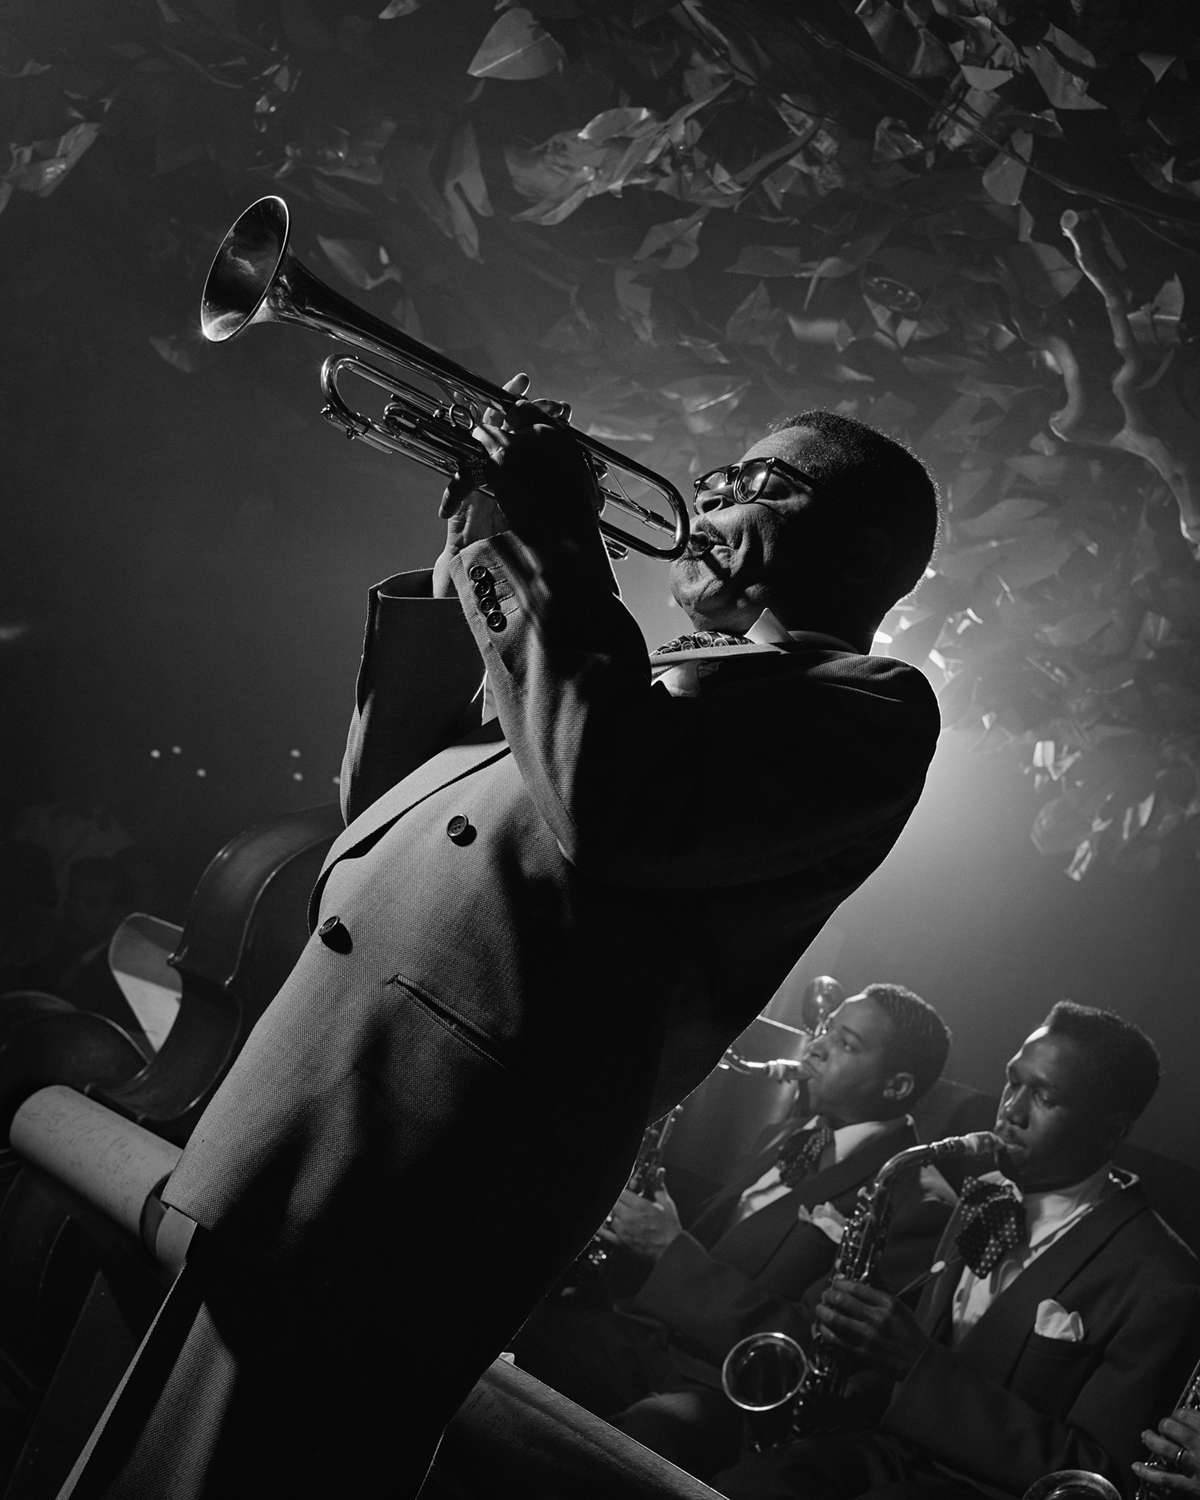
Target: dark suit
<point>525,948</point>
<point>725,1280</point>
<point>1009,1405</point>
<point>660,1351</point>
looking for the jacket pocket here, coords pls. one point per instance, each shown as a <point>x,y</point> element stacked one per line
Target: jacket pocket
<point>1051,1372</point>
<point>458,1026</point>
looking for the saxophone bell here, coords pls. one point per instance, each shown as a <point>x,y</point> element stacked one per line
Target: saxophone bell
<point>1072,1484</point>
<point>763,1374</point>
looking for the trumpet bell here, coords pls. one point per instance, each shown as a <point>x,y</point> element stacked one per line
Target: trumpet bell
<point>244,270</point>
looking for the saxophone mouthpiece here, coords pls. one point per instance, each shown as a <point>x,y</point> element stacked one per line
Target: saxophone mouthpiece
<point>980,1143</point>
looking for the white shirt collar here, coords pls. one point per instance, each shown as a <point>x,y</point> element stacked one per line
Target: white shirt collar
<point>848,1138</point>
<point>767,631</point>
<point>1045,1213</point>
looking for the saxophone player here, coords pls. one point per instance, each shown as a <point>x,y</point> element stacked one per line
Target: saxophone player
<point>758,1247</point>
<point>1062,1322</point>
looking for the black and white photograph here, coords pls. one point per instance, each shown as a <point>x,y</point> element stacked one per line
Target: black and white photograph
<point>600,750</point>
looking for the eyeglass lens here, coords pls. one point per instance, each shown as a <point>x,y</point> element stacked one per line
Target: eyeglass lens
<point>744,480</point>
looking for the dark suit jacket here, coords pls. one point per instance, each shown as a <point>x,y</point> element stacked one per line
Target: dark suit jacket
<point>528,946</point>
<point>722,1281</point>
<point>1009,1405</point>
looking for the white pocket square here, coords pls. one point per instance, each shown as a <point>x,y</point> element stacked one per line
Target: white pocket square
<point>1053,1321</point>
<point>829,1221</point>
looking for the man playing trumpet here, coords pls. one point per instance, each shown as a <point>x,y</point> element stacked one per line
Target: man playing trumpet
<point>550,912</point>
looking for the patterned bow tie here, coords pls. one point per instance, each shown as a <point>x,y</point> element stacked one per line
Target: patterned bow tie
<point>800,1154</point>
<point>699,639</point>
<point>993,1223</point>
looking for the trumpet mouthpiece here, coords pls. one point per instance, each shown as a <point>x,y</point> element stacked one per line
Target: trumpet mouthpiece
<point>699,543</point>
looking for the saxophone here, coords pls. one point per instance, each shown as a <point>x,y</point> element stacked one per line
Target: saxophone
<point>767,1370</point>
<point>643,1179</point>
<point>1085,1484</point>
<point>1189,1398</point>
<point>1073,1484</point>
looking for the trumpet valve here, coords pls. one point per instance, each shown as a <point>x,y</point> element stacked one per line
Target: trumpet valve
<point>458,414</point>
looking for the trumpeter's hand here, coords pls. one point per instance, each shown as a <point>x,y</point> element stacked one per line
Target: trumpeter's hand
<point>470,515</point>
<point>543,486</point>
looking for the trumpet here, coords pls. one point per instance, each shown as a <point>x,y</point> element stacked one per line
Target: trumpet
<point>255,278</point>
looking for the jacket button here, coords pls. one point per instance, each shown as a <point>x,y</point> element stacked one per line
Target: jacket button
<point>459,830</point>
<point>478,573</point>
<point>334,934</point>
<point>495,620</point>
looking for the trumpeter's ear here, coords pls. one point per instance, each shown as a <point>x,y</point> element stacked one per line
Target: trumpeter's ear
<point>869,553</point>
<point>899,1087</point>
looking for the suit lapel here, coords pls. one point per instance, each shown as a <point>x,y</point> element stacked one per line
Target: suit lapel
<point>998,1338</point>
<point>479,750</point>
<point>854,1170</point>
<point>761,1235</point>
<point>1000,1335</point>
<point>713,1219</point>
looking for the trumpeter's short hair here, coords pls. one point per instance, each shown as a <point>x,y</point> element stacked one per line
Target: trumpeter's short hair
<point>879,483</point>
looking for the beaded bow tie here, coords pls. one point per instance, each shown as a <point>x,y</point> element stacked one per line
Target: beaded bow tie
<point>800,1154</point>
<point>993,1223</point>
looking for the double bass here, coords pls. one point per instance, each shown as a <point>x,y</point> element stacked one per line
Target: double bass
<point>245,926</point>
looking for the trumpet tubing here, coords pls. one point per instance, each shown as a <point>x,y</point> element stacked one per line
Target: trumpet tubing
<point>254,278</point>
